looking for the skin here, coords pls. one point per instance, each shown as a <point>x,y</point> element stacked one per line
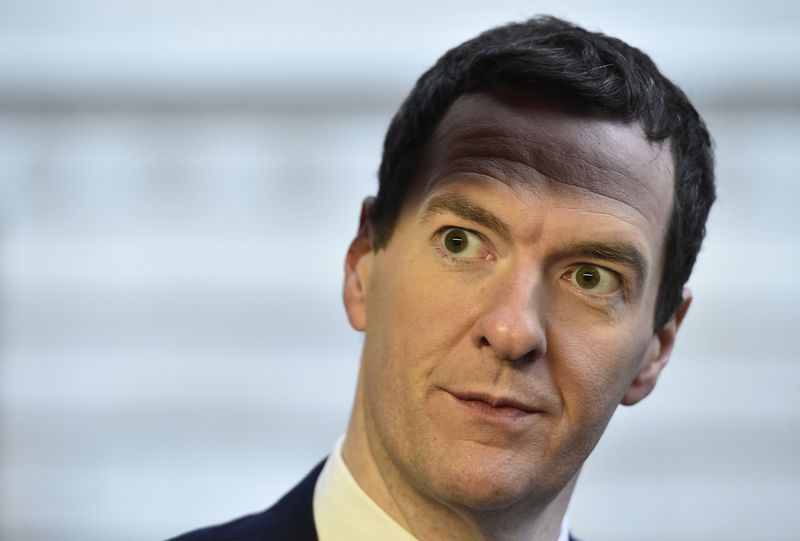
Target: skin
<point>488,375</point>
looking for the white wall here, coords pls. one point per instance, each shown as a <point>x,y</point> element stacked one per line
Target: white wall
<point>179,182</point>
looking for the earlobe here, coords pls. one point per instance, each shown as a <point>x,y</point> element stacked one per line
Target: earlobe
<point>357,269</point>
<point>657,355</point>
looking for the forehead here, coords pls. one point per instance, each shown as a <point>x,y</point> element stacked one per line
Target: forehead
<point>541,143</point>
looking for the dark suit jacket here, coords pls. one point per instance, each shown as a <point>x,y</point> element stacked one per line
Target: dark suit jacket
<point>291,519</point>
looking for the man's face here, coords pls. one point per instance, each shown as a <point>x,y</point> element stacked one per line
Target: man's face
<point>512,309</point>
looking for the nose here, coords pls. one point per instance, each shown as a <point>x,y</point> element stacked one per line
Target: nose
<point>512,326</point>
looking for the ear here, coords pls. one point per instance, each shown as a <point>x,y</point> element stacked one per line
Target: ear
<point>357,269</point>
<point>657,355</point>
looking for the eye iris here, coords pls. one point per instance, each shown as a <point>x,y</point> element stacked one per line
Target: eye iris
<point>455,241</point>
<point>587,277</point>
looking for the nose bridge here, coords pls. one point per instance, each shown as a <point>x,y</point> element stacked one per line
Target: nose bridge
<point>512,323</point>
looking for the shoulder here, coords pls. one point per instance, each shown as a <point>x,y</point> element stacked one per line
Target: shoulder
<point>292,518</point>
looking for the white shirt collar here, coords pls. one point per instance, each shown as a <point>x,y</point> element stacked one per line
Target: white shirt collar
<point>344,512</point>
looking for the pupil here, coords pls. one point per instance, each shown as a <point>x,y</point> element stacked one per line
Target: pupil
<point>455,241</point>
<point>588,277</point>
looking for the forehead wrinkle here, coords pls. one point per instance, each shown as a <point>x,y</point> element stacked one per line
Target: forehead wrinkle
<point>526,176</point>
<point>509,172</point>
<point>532,146</point>
<point>487,149</point>
<point>523,135</point>
<point>617,198</point>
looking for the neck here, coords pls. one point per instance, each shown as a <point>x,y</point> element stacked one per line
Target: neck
<point>425,516</point>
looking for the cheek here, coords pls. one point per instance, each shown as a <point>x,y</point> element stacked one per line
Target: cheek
<point>399,321</point>
<point>424,311</point>
<point>416,319</point>
<point>593,369</point>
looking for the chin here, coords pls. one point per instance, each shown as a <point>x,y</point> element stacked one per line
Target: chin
<point>478,477</point>
<point>479,483</point>
<point>483,495</point>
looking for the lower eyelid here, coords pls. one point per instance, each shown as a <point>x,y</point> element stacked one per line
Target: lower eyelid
<point>452,258</point>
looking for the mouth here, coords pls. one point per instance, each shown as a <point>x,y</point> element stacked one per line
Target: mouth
<point>501,407</point>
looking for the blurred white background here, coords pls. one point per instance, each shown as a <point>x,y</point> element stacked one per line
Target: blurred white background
<point>178,185</point>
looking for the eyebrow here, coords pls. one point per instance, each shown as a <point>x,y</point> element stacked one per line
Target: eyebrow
<point>466,209</point>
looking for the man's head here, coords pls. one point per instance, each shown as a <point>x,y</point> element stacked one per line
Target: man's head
<point>583,67</point>
<point>510,275</point>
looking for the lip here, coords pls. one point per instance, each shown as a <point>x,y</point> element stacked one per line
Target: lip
<point>490,405</point>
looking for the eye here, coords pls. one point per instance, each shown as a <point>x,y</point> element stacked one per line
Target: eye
<point>595,279</point>
<point>462,243</point>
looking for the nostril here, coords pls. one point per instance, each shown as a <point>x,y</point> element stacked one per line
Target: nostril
<point>484,341</point>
